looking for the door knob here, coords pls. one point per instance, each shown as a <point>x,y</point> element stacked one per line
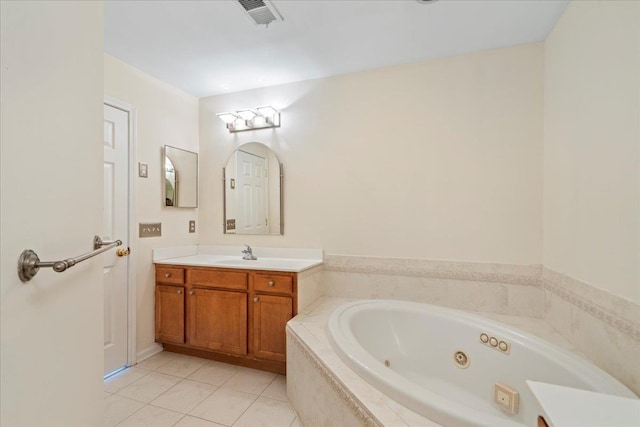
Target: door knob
<point>167,275</point>
<point>271,283</point>
<point>256,299</point>
<point>192,292</point>
<point>179,291</point>
<point>123,252</point>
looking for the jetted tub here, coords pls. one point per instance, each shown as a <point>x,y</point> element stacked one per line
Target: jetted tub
<point>416,354</point>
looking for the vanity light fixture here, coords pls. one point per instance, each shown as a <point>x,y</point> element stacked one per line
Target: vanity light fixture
<point>248,119</point>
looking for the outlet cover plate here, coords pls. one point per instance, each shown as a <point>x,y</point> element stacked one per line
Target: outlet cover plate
<point>192,226</point>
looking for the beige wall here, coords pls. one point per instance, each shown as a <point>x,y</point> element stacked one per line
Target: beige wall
<point>164,116</point>
<point>439,159</point>
<point>592,146</point>
<point>51,185</point>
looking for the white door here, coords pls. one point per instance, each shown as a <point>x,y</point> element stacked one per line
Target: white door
<point>252,200</point>
<point>116,195</point>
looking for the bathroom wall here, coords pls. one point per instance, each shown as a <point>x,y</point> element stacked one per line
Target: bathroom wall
<point>592,146</point>
<point>51,328</point>
<point>440,159</point>
<point>591,208</point>
<point>164,116</point>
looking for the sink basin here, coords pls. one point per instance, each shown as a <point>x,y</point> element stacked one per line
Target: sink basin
<point>236,261</point>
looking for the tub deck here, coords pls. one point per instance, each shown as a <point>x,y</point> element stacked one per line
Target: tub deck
<point>325,391</point>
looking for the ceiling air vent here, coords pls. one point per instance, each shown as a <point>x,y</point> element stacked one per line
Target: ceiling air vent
<point>261,12</point>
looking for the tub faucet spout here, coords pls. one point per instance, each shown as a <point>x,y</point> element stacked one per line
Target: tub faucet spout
<point>248,255</point>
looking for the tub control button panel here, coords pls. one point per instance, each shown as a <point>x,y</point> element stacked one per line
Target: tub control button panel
<point>507,398</point>
<point>495,343</point>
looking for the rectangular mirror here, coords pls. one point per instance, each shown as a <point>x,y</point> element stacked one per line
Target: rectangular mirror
<point>180,189</point>
<point>253,191</point>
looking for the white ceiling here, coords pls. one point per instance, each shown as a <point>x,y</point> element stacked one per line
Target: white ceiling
<point>211,47</point>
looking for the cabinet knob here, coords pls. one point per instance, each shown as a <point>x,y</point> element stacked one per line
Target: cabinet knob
<point>179,291</point>
<point>256,299</point>
<point>192,292</point>
<point>271,283</point>
<point>167,275</point>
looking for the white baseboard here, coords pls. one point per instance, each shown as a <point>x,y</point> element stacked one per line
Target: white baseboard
<point>148,352</point>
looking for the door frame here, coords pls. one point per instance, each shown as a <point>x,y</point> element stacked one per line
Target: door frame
<point>132,219</point>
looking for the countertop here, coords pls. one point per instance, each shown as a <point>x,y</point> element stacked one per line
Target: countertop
<point>270,259</point>
<point>568,407</point>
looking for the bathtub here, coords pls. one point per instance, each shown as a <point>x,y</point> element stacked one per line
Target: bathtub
<point>431,359</point>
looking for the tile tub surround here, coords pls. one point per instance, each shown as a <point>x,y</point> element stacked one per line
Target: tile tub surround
<point>604,327</point>
<point>309,286</point>
<point>325,391</point>
<point>492,288</point>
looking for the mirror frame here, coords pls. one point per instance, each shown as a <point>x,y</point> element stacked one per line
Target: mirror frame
<point>164,172</point>
<point>224,193</point>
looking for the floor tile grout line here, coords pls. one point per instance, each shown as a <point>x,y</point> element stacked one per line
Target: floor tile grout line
<point>117,393</point>
<point>161,394</point>
<point>147,405</point>
<point>272,381</point>
<point>245,411</point>
<point>132,414</point>
<point>273,400</point>
<point>183,415</point>
<point>128,384</point>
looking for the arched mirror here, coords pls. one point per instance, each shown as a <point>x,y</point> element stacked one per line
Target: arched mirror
<point>253,191</point>
<point>180,178</point>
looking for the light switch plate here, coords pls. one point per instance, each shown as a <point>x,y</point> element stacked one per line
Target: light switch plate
<point>192,226</point>
<point>150,229</point>
<point>143,170</point>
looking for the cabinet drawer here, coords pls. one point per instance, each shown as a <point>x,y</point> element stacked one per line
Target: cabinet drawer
<point>273,283</point>
<point>218,279</point>
<point>170,275</point>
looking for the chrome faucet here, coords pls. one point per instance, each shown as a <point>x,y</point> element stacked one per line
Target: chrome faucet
<point>248,255</point>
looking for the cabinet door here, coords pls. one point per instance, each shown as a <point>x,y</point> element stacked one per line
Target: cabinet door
<point>217,320</point>
<point>269,316</point>
<point>170,314</point>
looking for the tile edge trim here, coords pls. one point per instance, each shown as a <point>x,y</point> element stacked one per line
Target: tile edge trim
<point>606,315</point>
<point>451,270</point>
<point>355,406</point>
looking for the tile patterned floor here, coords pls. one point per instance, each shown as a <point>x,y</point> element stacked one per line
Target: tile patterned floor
<point>171,389</point>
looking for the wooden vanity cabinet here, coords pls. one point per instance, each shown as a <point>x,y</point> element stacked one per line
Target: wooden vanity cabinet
<point>235,316</point>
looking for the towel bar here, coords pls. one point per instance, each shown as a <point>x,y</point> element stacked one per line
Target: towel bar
<point>29,264</point>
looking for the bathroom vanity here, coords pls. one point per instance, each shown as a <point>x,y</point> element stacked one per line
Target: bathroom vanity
<point>228,309</point>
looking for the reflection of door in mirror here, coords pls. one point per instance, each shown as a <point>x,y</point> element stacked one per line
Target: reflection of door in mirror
<point>252,199</point>
<point>170,181</point>
<point>252,191</point>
